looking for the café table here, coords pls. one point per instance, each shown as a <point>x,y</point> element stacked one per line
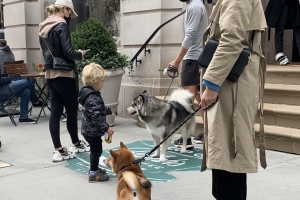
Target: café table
<point>45,97</point>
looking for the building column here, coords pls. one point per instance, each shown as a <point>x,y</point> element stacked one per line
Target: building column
<point>139,19</point>
<point>21,22</point>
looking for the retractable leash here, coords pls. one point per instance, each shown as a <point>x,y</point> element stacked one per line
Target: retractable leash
<point>140,160</point>
<point>172,75</point>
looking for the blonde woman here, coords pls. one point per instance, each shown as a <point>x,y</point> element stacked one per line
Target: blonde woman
<point>94,112</point>
<point>55,41</point>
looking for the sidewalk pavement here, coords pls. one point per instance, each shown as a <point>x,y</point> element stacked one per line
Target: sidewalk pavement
<point>33,176</point>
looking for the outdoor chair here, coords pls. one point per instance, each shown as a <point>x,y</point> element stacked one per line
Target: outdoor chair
<point>6,104</point>
<point>13,69</point>
<point>11,62</point>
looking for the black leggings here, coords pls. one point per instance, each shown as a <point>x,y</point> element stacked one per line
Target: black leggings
<point>63,94</point>
<point>96,151</point>
<point>229,186</point>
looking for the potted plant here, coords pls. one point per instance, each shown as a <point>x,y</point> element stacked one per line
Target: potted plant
<point>92,35</point>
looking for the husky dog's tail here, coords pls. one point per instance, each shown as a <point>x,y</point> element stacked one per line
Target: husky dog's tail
<point>183,97</point>
<point>134,181</point>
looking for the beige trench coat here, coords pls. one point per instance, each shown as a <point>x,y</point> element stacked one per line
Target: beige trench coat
<point>229,124</point>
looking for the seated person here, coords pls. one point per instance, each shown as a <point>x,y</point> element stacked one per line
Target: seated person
<point>6,55</point>
<point>20,88</point>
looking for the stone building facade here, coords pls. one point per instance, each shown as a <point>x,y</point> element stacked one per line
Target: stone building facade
<point>135,22</point>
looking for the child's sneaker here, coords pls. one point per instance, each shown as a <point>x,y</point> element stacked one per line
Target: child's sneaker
<point>99,177</point>
<point>82,146</point>
<point>101,171</point>
<point>63,154</point>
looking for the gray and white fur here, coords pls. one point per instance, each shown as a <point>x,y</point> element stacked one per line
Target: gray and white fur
<point>161,118</point>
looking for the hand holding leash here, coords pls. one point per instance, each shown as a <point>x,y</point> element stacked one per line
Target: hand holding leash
<point>172,71</point>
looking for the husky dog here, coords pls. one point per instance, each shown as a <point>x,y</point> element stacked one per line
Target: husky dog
<point>161,118</point>
<point>132,184</point>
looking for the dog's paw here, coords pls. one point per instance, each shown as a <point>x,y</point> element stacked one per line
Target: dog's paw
<point>183,151</point>
<point>163,159</point>
<point>155,156</point>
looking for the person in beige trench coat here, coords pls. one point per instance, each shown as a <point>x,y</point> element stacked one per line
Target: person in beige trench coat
<point>229,147</point>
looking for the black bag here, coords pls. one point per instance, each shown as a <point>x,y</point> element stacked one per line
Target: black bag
<point>237,69</point>
<point>60,63</point>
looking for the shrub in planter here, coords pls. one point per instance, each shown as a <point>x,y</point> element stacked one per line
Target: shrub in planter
<point>91,34</point>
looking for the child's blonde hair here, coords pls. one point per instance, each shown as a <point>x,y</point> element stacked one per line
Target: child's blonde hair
<point>92,74</point>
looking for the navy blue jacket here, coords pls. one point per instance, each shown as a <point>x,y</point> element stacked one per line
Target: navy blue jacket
<point>93,112</point>
<point>6,91</point>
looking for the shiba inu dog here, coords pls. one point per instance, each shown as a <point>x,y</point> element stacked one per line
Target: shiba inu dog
<point>132,184</point>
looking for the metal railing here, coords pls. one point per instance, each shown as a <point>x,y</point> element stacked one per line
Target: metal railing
<point>144,47</point>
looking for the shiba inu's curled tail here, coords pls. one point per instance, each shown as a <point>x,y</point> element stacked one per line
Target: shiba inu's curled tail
<point>134,182</point>
<point>145,182</point>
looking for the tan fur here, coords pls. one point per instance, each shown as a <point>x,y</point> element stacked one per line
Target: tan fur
<point>131,179</point>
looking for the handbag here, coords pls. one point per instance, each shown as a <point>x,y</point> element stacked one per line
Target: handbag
<point>237,69</point>
<point>60,63</point>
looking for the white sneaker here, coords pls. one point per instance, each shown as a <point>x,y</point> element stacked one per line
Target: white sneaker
<point>58,156</point>
<point>81,147</point>
<point>282,59</point>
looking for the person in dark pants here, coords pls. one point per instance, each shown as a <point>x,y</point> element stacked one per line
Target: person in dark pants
<point>94,112</point>
<point>55,41</point>
<point>196,22</point>
<point>281,15</point>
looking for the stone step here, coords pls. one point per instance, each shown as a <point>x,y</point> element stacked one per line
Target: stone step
<point>281,115</point>
<point>283,74</point>
<point>280,138</point>
<point>282,94</point>
<point>277,138</point>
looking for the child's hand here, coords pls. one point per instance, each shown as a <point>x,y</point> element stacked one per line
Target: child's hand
<point>113,114</point>
<point>110,131</point>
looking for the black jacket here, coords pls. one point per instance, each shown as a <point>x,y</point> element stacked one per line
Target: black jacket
<point>276,9</point>
<point>59,41</point>
<point>93,112</point>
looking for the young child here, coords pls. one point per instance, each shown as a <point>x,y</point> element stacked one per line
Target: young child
<point>94,113</point>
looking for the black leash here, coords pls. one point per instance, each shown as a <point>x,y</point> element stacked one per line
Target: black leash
<point>140,160</point>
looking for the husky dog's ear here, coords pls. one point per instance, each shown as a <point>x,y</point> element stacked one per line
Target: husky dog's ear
<point>113,153</point>
<point>140,99</point>
<point>145,93</point>
<point>122,145</point>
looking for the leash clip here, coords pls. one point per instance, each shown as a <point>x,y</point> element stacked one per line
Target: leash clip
<point>137,161</point>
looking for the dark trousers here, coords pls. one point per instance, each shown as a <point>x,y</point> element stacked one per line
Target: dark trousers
<point>63,94</point>
<point>229,186</point>
<point>297,36</point>
<point>96,151</point>
<point>279,39</point>
<point>279,31</point>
